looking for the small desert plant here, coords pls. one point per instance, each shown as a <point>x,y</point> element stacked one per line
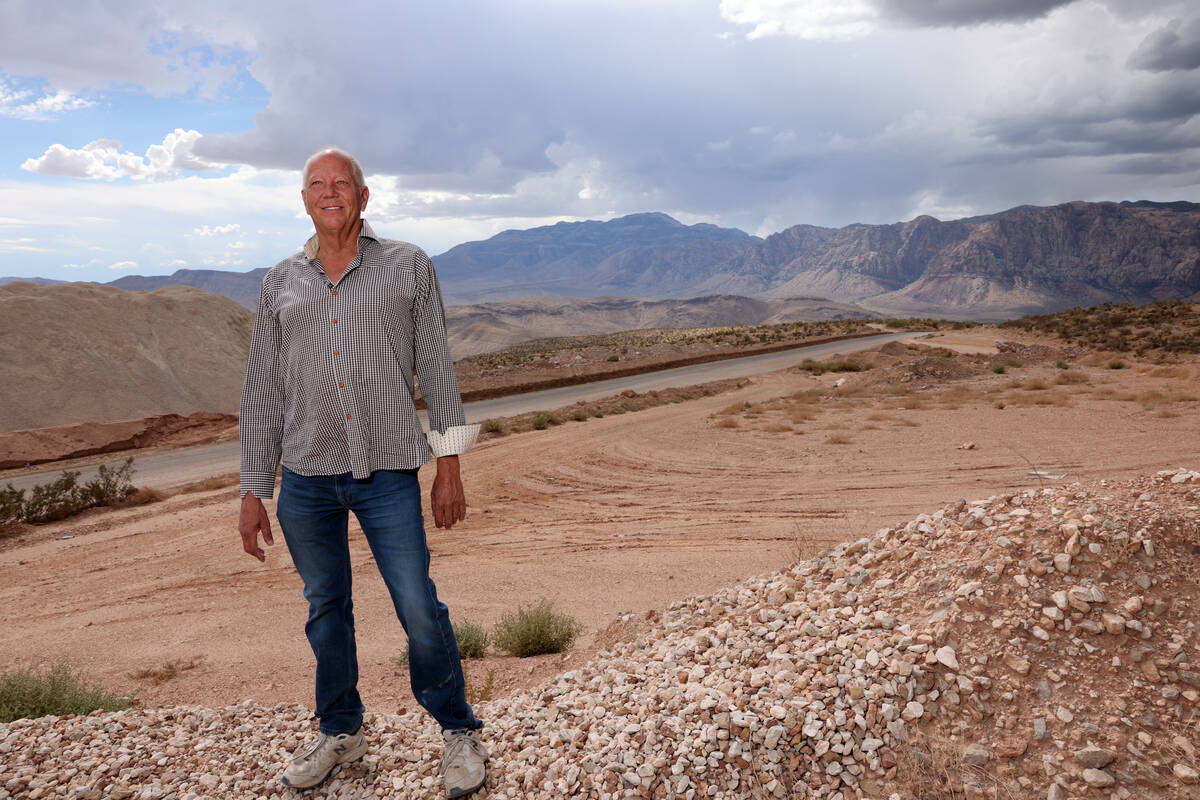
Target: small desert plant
<point>1013,362</point>
<point>1062,364</point>
<point>58,690</point>
<point>64,496</point>
<point>168,671</point>
<point>472,640</point>
<point>728,422</point>
<point>543,420</point>
<point>613,357</point>
<point>493,426</point>
<point>1116,363</point>
<point>998,369</point>
<point>537,630</point>
<point>480,694</point>
<point>838,438</point>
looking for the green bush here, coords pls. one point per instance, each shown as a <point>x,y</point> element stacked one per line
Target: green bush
<point>614,357</point>
<point>472,640</point>
<point>580,415</point>
<point>493,426</point>
<point>537,630</point>
<point>1014,363</point>
<point>1062,364</point>
<point>59,690</point>
<point>1116,364</point>
<point>64,496</point>
<point>543,420</point>
<point>998,369</point>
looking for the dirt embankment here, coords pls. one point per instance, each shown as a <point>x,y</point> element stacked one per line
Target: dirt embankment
<point>45,445</point>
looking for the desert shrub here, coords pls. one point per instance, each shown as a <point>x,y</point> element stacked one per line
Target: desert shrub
<point>821,367</point>
<point>12,505</point>
<point>1062,364</point>
<point>1013,362</point>
<point>537,630</point>
<point>580,415</point>
<point>64,496</point>
<point>543,420</point>
<point>472,640</point>
<point>728,422</point>
<point>614,357</point>
<point>1116,363</point>
<point>480,694</point>
<point>59,690</point>
<point>998,369</point>
<point>493,426</point>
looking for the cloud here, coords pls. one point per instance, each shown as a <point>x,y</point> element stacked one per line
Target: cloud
<point>854,19</point>
<point>955,13</point>
<point>42,108</point>
<point>1175,46</point>
<point>123,265</point>
<point>205,230</point>
<point>103,159</point>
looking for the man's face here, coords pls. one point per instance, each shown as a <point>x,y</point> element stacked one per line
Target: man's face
<point>330,196</point>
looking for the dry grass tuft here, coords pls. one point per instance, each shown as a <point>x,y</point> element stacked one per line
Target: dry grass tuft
<point>729,422</point>
<point>932,768</point>
<point>168,671</point>
<point>838,438</point>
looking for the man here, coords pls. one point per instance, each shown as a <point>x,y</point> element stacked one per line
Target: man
<point>340,329</point>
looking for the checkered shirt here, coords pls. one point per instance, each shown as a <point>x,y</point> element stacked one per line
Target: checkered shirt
<point>329,380</point>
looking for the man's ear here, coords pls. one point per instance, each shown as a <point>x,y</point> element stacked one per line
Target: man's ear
<point>365,194</point>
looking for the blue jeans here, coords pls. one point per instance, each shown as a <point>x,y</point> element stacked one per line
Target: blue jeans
<point>313,513</point>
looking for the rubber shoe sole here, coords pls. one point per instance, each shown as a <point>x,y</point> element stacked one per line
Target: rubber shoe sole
<point>458,791</point>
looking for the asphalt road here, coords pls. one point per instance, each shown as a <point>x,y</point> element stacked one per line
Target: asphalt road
<point>166,468</point>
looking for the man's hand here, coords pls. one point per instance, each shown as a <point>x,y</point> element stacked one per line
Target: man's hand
<point>253,519</point>
<point>447,498</point>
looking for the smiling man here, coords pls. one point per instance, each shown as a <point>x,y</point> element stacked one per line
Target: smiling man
<point>341,328</point>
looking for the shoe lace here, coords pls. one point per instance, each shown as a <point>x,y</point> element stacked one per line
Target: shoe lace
<point>313,747</point>
<point>455,744</point>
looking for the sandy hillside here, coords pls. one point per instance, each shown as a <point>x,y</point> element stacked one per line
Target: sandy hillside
<point>620,517</point>
<point>81,352</point>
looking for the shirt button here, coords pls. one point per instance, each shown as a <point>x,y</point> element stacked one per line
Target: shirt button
<point>335,352</point>
<point>347,416</point>
<point>341,385</point>
<point>335,320</point>
<point>335,291</point>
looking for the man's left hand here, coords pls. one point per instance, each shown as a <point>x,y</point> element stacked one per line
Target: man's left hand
<point>448,500</point>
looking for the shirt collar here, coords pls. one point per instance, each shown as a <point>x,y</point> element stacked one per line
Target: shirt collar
<point>313,244</point>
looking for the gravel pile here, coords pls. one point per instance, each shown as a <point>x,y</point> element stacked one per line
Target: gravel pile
<point>1042,644</point>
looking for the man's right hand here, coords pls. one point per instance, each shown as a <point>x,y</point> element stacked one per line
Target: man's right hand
<point>253,519</point>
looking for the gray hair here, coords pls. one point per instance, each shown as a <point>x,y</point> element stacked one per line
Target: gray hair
<point>355,168</point>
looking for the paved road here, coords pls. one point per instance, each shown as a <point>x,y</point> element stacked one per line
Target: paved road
<point>162,469</point>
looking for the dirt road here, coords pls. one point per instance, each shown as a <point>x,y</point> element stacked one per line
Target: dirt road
<point>165,468</point>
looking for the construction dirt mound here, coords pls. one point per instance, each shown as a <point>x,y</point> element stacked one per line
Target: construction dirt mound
<point>1039,644</point>
<point>83,352</point>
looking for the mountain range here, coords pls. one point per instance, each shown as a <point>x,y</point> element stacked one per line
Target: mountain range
<point>1024,260</point>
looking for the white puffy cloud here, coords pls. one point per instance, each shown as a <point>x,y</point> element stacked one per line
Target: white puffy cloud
<point>217,230</point>
<point>21,103</point>
<point>103,159</point>
<point>123,265</point>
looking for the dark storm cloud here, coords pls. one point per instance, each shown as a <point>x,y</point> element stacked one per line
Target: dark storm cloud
<point>1175,46</point>
<point>953,13</point>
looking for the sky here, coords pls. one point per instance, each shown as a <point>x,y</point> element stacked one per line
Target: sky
<point>142,137</point>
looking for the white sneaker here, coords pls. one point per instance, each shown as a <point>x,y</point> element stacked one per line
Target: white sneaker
<point>317,761</point>
<point>464,762</point>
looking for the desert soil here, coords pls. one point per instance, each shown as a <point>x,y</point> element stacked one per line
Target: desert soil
<point>626,513</point>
